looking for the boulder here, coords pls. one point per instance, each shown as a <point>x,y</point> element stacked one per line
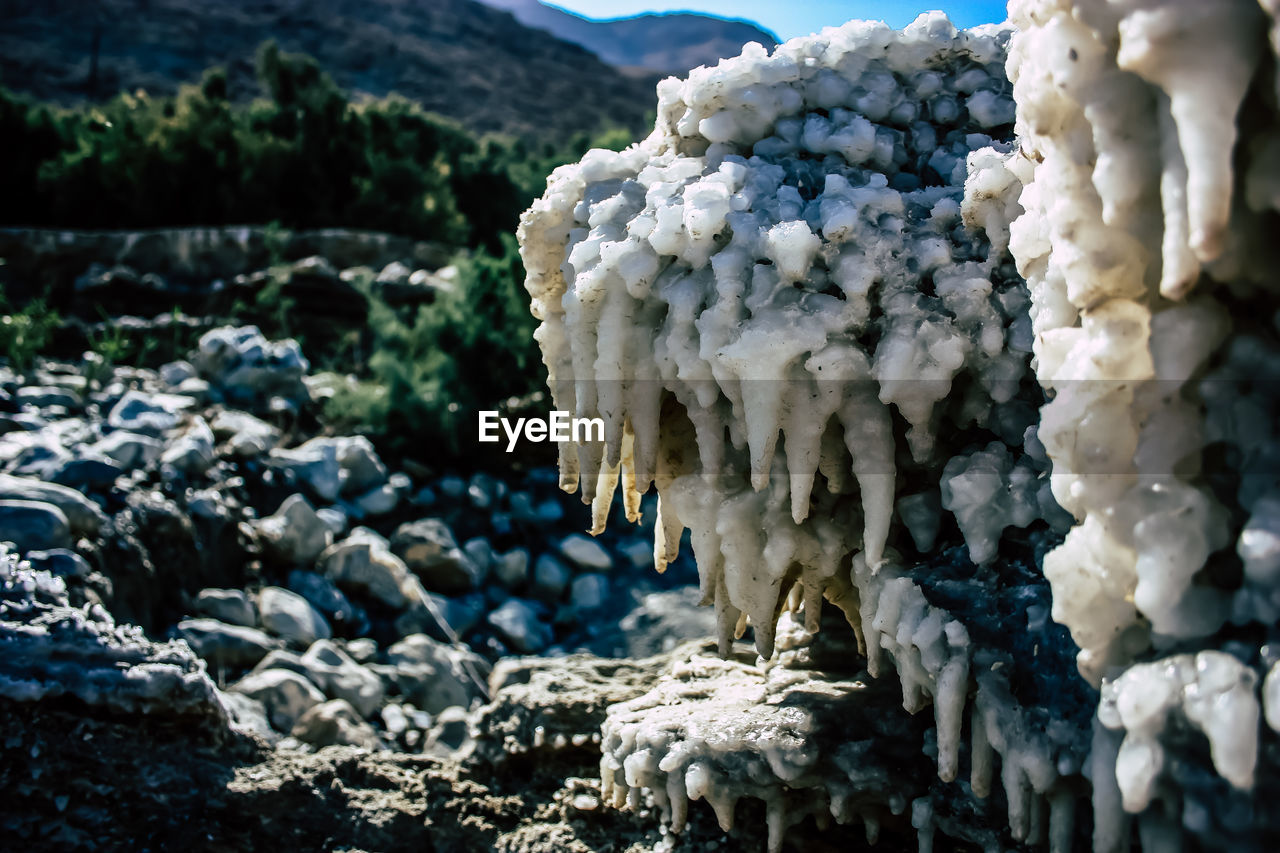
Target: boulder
<point>340,677</point>
<point>84,516</point>
<point>224,645</point>
<point>589,592</point>
<point>335,723</point>
<point>248,716</point>
<point>282,659</point>
<point>585,553</point>
<point>378,501</point>
<point>149,414</point>
<point>41,397</point>
<point>61,562</point>
<point>286,695</point>
<point>291,617</point>
<point>129,449</point>
<point>362,563</point>
<point>550,577</point>
<point>192,452</point>
<point>480,553</point>
<point>518,625</point>
<point>89,472</point>
<point>37,459</point>
<point>175,373</point>
<point>430,551</point>
<point>451,732</point>
<point>363,469</point>
<point>394,273</point>
<point>325,597</point>
<point>227,605</point>
<point>312,466</point>
<point>512,568</point>
<point>243,435</point>
<point>249,369</point>
<point>34,525</point>
<point>294,534</point>
<point>434,676</point>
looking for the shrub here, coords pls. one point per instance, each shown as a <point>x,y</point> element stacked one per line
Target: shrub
<point>472,349</point>
<point>304,155</point>
<point>25,333</point>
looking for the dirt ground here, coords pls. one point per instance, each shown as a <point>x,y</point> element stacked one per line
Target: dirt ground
<point>76,782</point>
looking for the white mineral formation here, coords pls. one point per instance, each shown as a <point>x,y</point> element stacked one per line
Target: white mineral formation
<point>819,307</point>
<point>1147,189</point>
<point>749,297</point>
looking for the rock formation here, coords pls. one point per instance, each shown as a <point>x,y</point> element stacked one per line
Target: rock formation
<point>845,312</point>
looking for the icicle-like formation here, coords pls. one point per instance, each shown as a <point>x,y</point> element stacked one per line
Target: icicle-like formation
<point>1112,239</point>
<point>784,281</point>
<point>722,731</point>
<point>725,731</point>
<point>792,297</point>
<point>1149,158</point>
<point>776,291</point>
<point>807,743</point>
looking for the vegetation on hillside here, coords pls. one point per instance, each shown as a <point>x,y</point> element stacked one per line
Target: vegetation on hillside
<point>306,156</point>
<point>456,58</point>
<point>431,371</point>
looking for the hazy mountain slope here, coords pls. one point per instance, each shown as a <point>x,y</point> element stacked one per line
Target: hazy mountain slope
<point>672,42</point>
<point>457,57</point>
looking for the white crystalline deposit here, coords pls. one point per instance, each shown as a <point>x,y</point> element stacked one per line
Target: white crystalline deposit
<point>804,745</point>
<point>1215,693</point>
<point>1127,126</point>
<point>721,731</point>
<point>776,301</point>
<point>799,329</point>
<point>809,744</point>
<point>1149,160</point>
<point>782,310</point>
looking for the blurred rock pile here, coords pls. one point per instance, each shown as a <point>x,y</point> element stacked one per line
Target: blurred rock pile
<point>334,599</point>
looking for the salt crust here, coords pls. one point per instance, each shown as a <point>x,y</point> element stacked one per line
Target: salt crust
<point>739,296</point>
<point>1142,243</point>
<point>699,289</point>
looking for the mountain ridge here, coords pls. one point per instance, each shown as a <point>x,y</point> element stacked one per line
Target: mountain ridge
<point>665,42</point>
<point>459,58</point>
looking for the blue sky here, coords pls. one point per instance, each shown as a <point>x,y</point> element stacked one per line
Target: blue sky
<point>799,17</point>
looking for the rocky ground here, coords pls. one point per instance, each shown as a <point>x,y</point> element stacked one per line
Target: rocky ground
<point>335,623</point>
<point>223,626</point>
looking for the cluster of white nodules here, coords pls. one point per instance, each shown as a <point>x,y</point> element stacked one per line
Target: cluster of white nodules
<point>749,295</point>
<point>1111,244</point>
<point>1213,691</point>
<point>1144,240</point>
